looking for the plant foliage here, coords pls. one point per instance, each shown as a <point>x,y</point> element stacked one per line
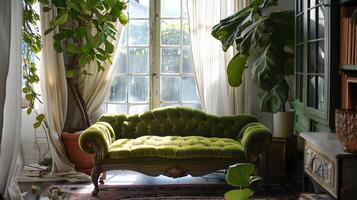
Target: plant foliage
<point>82,30</point>
<point>263,42</point>
<point>30,47</point>
<point>240,176</point>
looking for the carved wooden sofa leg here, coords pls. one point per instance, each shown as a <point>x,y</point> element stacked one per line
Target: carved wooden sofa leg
<point>96,170</point>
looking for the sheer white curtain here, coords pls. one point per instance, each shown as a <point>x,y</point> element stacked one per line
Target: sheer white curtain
<point>54,92</point>
<point>10,42</point>
<point>95,88</point>
<point>240,101</point>
<point>209,60</point>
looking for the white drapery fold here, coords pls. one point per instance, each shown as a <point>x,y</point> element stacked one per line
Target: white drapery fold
<point>240,101</point>
<point>10,159</point>
<point>54,92</point>
<point>209,60</point>
<point>95,87</point>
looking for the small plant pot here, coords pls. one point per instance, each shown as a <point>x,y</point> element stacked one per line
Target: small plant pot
<point>346,128</point>
<point>284,124</point>
<point>83,162</point>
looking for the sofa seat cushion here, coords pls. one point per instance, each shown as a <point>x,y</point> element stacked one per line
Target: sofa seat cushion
<point>176,147</point>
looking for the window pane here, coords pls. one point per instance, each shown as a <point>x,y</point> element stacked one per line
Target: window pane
<point>121,66</point>
<point>138,91</point>
<point>193,105</point>
<point>136,109</point>
<point>311,57</point>
<point>185,32</point>
<point>316,92</point>
<point>301,27</point>
<point>321,25</point>
<point>118,89</point>
<point>320,68</point>
<point>311,89</point>
<point>139,32</point>
<point>312,24</point>
<point>116,108</point>
<point>170,8</point>
<point>138,60</point>
<point>170,32</point>
<point>189,92</point>
<point>170,88</point>
<point>170,60</point>
<point>320,93</point>
<point>187,60</point>
<point>139,9</point>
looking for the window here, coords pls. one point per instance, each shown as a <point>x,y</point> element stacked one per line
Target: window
<point>155,65</point>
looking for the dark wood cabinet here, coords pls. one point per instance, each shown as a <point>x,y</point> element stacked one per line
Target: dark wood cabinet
<point>279,163</point>
<point>329,166</point>
<point>316,64</point>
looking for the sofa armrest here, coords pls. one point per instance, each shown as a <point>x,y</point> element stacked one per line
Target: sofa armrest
<point>97,138</point>
<point>255,138</point>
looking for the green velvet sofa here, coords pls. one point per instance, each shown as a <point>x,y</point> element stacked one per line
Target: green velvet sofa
<point>173,141</point>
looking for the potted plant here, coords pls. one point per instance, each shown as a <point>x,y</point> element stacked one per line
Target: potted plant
<point>263,41</point>
<point>83,31</point>
<point>240,176</point>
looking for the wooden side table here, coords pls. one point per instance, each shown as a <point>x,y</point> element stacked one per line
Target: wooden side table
<point>329,166</point>
<point>279,162</point>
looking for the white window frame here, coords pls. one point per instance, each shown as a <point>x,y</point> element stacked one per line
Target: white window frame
<point>154,48</point>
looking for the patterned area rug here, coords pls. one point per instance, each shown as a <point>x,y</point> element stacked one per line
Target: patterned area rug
<point>165,192</point>
<point>161,192</point>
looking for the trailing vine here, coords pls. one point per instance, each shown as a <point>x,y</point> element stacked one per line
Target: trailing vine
<point>31,47</point>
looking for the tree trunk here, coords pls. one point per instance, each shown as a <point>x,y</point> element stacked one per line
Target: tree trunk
<point>80,103</point>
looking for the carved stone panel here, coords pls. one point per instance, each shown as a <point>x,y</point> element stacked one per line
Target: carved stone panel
<point>320,168</point>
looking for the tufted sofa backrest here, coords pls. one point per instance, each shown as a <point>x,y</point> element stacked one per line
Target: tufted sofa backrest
<point>179,121</point>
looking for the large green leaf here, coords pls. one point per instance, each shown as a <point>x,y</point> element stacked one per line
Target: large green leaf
<point>235,69</point>
<point>61,19</point>
<point>229,28</point>
<point>283,27</point>
<point>239,174</point>
<point>274,99</point>
<point>242,194</point>
<point>266,69</point>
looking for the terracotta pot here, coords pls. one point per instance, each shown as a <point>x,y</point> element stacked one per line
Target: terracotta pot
<point>346,128</point>
<point>284,124</point>
<point>81,160</point>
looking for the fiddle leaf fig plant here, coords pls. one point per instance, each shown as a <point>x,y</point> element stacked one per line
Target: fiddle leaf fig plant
<point>264,42</point>
<point>239,176</point>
